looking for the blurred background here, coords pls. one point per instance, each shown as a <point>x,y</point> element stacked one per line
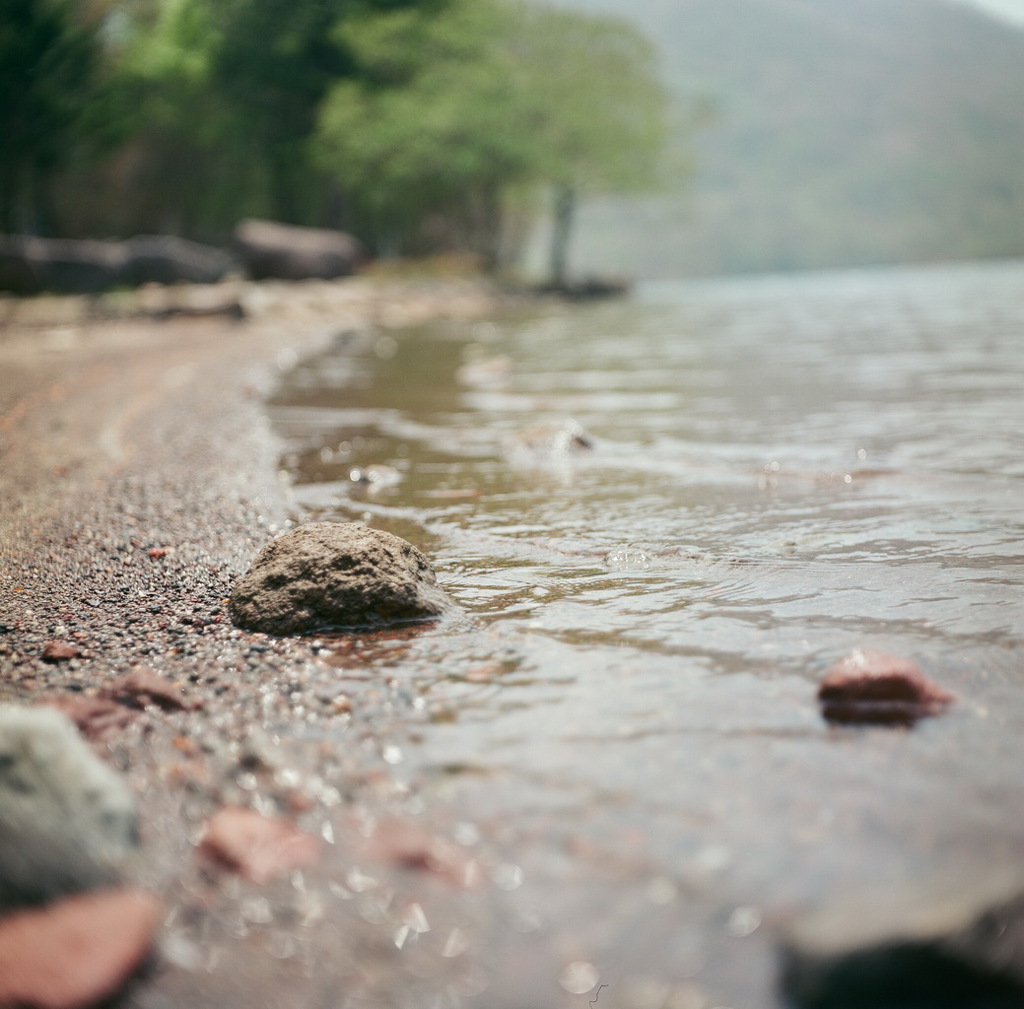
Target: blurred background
<point>654,138</point>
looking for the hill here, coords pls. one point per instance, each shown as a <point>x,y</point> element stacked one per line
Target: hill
<point>867,131</point>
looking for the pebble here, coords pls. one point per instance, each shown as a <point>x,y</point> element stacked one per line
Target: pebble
<point>872,687</point>
<point>257,847</point>
<point>59,651</point>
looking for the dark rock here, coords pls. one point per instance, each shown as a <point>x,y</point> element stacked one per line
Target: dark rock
<point>869,687</point>
<point>66,819</point>
<point>258,847</point>
<point>168,259</point>
<point>29,265</point>
<point>330,575</point>
<point>77,952</point>
<point>895,951</point>
<point>272,251</point>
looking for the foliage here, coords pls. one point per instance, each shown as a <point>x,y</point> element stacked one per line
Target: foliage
<point>423,125</point>
<point>454,117</point>
<point>51,91</point>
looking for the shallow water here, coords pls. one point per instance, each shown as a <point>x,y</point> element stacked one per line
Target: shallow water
<point>782,469</point>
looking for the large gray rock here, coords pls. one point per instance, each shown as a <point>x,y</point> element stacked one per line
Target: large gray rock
<point>66,818</point>
<point>168,259</point>
<point>272,251</point>
<point>333,575</point>
<point>29,265</point>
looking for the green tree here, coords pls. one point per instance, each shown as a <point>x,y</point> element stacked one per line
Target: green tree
<point>51,93</point>
<point>490,101</point>
<point>271,62</point>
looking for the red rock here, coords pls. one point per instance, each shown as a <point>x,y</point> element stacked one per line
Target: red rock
<point>406,843</point>
<point>143,687</point>
<point>59,651</point>
<point>158,553</point>
<point>869,687</point>
<point>76,952</point>
<point>96,718</point>
<point>255,846</point>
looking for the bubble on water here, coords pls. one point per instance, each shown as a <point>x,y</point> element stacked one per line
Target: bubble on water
<point>661,890</point>
<point>507,876</point>
<point>456,944</point>
<point>282,945</point>
<point>467,834</point>
<point>472,983</point>
<point>358,882</point>
<point>744,921</point>
<point>182,952</point>
<point>310,909</point>
<point>578,977</point>
<point>385,347</point>
<point>392,754</point>
<point>527,919</point>
<point>257,910</point>
<point>627,559</point>
<point>373,910</point>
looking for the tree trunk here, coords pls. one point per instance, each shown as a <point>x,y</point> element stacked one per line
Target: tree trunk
<point>561,232</point>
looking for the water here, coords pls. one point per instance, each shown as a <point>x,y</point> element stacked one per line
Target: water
<point>782,469</point>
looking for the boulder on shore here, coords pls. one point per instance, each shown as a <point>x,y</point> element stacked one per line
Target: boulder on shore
<point>169,259</point>
<point>29,265</point>
<point>336,576</point>
<point>272,251</point>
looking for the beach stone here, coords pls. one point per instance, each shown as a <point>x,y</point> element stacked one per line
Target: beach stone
<point>336,575</point>
<point>59,651</point>
<point>66,818</point>
<point>257,847</point>
<point>872,687</point>
<point>96,718</point>
<point>143,687</point>
<point>76,952</point>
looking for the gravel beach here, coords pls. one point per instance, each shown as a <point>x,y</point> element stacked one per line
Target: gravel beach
<point>138,479</point>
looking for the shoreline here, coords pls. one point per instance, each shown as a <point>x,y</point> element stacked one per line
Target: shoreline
<point>138,479</point>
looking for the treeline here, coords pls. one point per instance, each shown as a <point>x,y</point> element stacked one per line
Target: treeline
<point>419,125</point>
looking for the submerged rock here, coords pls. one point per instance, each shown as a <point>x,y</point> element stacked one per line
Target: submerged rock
<point>551,440</point>
<point>66,819</point>
<point>336,575</point>
<point>869,687</point>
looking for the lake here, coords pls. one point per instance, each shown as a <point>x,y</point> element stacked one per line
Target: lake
<point>765,474</point>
